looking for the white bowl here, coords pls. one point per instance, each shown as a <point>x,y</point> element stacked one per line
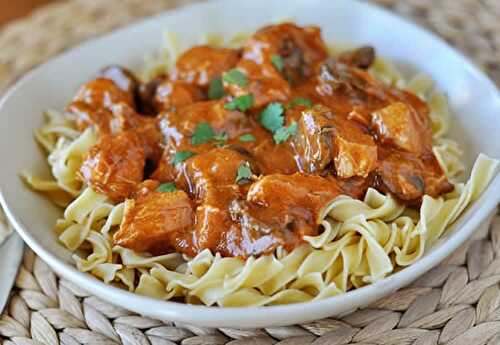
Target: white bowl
<point>473,98</point>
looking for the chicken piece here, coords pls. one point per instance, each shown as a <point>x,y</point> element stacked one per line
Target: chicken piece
<point>103,93</point>
<point>200,64</point>
<point>354,151</point>
<point>148,129</point>
<point>86,115</point>
<point>181,124</point>
<point>348,91</point>
<point>410,177</point>
<point>145,187</point>
<point>291,201</point>
<point>396,126</point>
<point>171,95</point>
<point>115,165</point>
<point>211,179</point>
<point>122,77</point>
<point>297,49</point>
<point>323,137</point>
<point>217,167</point>
<point>157,223</point>
<point>362,57</point>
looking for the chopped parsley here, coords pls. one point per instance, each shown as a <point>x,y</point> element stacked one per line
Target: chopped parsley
<point>271,117</point>
<point>244,173</point>
<point>203,133</point>
<point>216,88</point>
<point>277,62</point>
<point>181,156</point>
<point>247,138</point>
<point>301,101</point>
<point>273,120</point>
<point>235,76</point>
<point>166,187</point>
<point>220,139</point>
<point>282,134</point>
<point>241,103</point>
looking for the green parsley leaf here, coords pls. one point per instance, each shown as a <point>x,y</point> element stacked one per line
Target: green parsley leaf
<point>301,101</point>
<point>271,117</point>
<point>277,61</point>
<point>242,103</point>
<point>203,133</point>
<point>216,89</point>
<point>220,139</point>
<point>247,138</point>
<point>181,156</point>
<point>282,134</point>
<point>166,187</point>
<point>244,173</point>
<point>235,76</point>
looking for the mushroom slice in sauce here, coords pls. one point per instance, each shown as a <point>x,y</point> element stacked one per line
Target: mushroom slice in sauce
<point>362,57</point>
<point>410,177</point>
<point>324,137</point>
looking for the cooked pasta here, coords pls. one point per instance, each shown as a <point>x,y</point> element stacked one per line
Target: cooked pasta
<point>361,241</point>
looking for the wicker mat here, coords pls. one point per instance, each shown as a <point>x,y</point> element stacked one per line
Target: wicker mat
<point>458,302</point>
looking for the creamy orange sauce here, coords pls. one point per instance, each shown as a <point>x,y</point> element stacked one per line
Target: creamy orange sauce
<point>199,173</point>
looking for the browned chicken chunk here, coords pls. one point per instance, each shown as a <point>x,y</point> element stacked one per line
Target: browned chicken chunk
<point>200,64</point>
<point>175,94</point>
<point>396,125</point>
<point>156,222</point>
<point>115,165</point>
<point>276,56</point>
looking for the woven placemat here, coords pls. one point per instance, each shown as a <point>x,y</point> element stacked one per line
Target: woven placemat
<point>457,302</point>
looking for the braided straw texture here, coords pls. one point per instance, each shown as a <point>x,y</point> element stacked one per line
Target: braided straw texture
<point>457,302</point>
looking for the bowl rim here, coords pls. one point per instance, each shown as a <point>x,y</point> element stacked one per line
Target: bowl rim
<point>221,317</point>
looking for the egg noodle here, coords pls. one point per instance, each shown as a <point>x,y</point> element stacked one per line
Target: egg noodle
<point>362,241</point>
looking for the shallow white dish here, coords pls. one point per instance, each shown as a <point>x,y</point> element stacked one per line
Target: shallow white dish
<point>473,98</point>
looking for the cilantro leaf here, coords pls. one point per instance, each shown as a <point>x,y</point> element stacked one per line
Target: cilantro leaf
<point>244,173</point>
<point>166,188</point>
<point>271,117</point>
<point>301,101</point>
<point>277,62</point>
<point>235,76</point>
<point>203,133</point>
<point>282,134</point>
<point>220,139</point>
<point>247,138</point>
<point>242,103</point>
<point>181,156</point>
<point>216,89</point>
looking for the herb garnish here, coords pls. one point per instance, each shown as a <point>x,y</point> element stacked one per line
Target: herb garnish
<point>247,138</point>
<point>216,88</point>
<point>282,134</point>
<point>166,187</point>
<point>235,76</point>
<point>244,173</point>
<point>301,101</point>
<point>242,103</point>
<point>203,133</point>
<point>271,117</point>
<point>181,156</point>
<point>277,62</point>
